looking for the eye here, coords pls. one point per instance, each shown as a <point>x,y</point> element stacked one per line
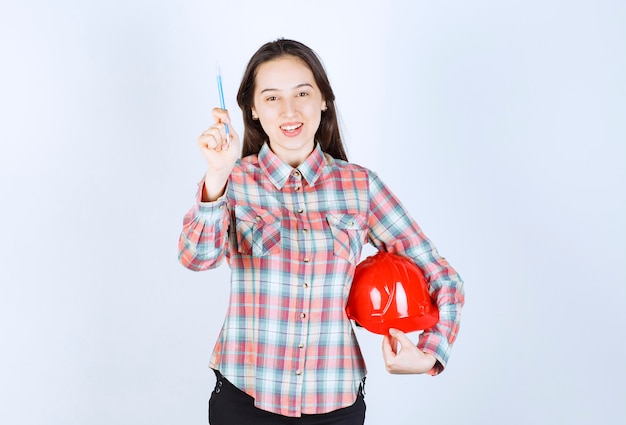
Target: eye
<point>302,94</point>
<point>271,98</point>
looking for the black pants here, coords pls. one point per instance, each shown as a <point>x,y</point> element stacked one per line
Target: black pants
<point>231,406</point>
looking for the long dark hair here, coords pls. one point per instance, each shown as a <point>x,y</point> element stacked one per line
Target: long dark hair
<point>327,134</point>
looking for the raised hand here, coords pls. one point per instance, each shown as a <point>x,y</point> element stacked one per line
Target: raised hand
<point>220,153</point>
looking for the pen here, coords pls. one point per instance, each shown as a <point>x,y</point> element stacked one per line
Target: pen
<point>221,93</point>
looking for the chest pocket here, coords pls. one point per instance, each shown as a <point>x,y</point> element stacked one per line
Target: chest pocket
<point>258,231</point>
<point>348,234</point>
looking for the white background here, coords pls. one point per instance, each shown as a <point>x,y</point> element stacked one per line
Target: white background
<point>500,124</point>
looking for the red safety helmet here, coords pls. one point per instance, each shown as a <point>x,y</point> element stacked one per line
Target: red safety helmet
<point>390,291</point>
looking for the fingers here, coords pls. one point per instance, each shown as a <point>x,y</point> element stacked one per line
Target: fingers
<point>221,116</point>
<point>214,138</point>
<point>220,134</point>
<point>388,351</point>
<point>400,337</point>
<point>401,356</point>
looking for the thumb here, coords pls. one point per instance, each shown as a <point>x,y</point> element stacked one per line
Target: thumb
<point>400,337</point>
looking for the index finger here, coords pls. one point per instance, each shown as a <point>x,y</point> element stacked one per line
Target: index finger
<point>221,115</point>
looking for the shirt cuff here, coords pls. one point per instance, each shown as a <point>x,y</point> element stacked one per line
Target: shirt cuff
<point>212,210</point>
<point>437,345</point>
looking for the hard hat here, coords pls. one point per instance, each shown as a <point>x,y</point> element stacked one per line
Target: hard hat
<point>390,291</point>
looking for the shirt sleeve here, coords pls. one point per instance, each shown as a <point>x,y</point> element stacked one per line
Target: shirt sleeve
<point>392,229</point>
<point>203,240</point>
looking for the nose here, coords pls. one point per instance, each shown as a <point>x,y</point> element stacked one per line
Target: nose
<point>289,107</point>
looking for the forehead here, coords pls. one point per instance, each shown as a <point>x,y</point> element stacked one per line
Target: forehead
<point>283,73</point>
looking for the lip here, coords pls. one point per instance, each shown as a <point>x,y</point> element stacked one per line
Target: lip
<point>291,129</point>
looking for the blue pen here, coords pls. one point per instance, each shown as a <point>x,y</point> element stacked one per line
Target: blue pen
<point>221,93</point>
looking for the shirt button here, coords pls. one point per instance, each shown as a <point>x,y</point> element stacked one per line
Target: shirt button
<point>301,345</point>
<point>305,230</point>
<point>296,173</point>
<point>300,210</point>
<point>305,285</point>
<point>258,218</point>
<point>306,259</point>
<point>302,316</point>
<point>298,188</point>
<point>298,372</point>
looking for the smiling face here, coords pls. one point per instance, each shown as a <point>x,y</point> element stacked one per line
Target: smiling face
<point>289,106</point>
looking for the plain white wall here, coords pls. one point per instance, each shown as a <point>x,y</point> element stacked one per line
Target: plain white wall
<point>500,124</point>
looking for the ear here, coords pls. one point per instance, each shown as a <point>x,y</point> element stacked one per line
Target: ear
<point>254,115</point>
<point>324,107</point>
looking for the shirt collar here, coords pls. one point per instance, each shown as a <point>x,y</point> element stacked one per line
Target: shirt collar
<point>278,172</point>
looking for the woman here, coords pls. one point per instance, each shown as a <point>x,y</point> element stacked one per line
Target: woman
<point>291,217</point>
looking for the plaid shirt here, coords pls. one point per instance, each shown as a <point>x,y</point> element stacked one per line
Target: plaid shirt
<point>292,237</point>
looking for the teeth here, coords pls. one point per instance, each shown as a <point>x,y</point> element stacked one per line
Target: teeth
<point>291,127</point>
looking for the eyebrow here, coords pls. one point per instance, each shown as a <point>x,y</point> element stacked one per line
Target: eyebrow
<point>299,86</point>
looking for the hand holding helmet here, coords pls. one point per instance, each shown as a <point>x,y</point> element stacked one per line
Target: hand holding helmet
<point>390,296</point>
<point>403,357</point>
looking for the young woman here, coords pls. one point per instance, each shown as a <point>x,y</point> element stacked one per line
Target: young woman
<point>291,217</point>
